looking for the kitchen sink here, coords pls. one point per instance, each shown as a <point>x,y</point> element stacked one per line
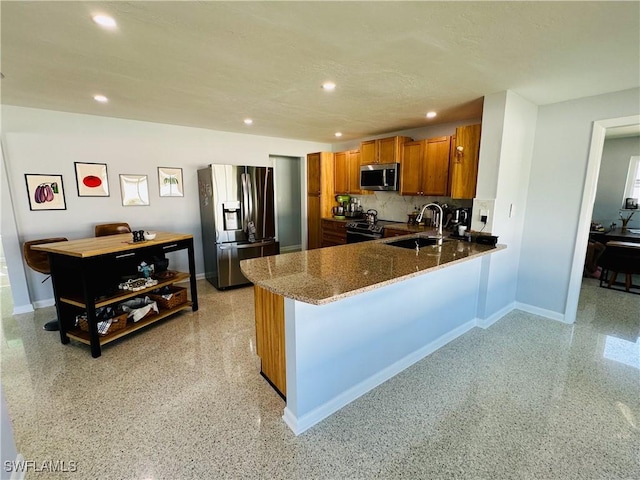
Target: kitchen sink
<point>422,242</point>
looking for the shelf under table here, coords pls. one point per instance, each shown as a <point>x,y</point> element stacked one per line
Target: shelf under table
<point>125,294</point>
<point>83,336</point>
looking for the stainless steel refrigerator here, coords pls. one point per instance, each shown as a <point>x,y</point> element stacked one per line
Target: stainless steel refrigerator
<point>238,220</point>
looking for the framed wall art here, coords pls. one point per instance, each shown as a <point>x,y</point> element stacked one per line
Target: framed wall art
<point>45,192</point>
<point>91,179</point>
<point>134,189</point>
<point>170,182</point>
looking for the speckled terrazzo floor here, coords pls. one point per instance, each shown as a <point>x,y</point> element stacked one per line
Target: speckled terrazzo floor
<point>529,398</point>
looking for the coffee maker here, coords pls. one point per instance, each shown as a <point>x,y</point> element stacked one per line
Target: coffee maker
<point>460,216</point>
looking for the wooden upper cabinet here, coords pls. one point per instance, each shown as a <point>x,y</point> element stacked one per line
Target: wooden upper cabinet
<point>464,162</point>
<point>382,150</point>
<point>313,173</point>
<point>411,166</point>
<point>368,152</point>
<point>347,173</point>
<point>354,172</point>
<point>424,168</point>
<point>435,176</point>
<point>341,173</point>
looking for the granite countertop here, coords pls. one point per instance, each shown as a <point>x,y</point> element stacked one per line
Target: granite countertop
<point>325,275</point>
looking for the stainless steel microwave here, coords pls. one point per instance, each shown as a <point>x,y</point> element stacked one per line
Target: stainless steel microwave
<point>379,176</point>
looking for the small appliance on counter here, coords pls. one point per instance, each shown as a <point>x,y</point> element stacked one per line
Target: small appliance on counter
<point>343,206</point>
<point>354,210</point>
<point>460,217</point>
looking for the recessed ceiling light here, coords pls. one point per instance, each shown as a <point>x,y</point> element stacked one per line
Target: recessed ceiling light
<point>248,121</point>
<point>100,98</point>
<point>105,21</point>
<point>338,134</point>
<point>431,114</point>
<point>330,86</point>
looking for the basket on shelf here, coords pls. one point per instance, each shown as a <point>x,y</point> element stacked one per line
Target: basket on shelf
<point>139,307</point>
<point>169,297</point>
<point>105,327</point>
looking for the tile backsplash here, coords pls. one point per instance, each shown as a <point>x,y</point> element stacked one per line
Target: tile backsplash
<point>392,206</point>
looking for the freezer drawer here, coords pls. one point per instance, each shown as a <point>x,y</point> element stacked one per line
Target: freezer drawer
<point>229,256</point>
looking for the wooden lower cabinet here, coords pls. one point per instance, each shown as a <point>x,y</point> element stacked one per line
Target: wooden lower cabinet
<point>314,230</point>
<point>334,232</point>
<point>270,345</point>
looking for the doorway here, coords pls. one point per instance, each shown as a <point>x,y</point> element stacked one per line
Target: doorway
<point>287,184</point>
<point>598,135</point>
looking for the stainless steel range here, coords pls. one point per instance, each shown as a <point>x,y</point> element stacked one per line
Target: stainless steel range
<point>362,231</point>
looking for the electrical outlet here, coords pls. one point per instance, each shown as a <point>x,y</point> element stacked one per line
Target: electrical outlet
<point>483,214</point>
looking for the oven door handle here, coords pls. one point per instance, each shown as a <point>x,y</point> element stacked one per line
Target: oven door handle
<point>369,235</point>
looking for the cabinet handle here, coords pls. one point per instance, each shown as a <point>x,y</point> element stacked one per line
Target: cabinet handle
<point>125,255</point>
<point>164,247</point>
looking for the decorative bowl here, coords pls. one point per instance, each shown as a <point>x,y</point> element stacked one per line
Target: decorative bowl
<point>149,235</point>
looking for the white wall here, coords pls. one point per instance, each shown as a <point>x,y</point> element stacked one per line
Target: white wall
<point>560,153</point>
<point>42,141</point>
<point>509,126</point>
<point>11,246</point>
<point>613,176</point>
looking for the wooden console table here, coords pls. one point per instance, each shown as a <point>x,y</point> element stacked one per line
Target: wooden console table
<point>86,274</point>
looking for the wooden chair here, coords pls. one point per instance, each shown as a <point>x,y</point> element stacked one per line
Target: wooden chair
<point>39,261</point>
<point>620,257</point>
<point>105,229</point>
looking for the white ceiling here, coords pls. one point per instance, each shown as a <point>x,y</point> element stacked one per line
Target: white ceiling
<point>212,64</point>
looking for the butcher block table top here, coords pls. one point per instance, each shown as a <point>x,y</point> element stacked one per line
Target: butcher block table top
<point>94,246</point>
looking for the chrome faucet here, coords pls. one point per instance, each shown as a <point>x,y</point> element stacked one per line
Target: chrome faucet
<point>419,217</point>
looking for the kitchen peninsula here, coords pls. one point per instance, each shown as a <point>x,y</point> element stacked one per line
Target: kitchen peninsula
<point>333,323</point>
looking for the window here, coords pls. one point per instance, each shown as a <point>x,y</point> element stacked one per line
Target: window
<point>632,188</point>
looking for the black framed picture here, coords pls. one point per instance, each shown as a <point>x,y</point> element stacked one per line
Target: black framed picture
<point>91,179</point>
<point>46,192</point>
<point>631,204</point>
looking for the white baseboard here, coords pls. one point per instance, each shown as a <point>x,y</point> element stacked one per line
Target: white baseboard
<point>20,309</point>
<point>541,311</point>
<point>299,425</point>
<point>47,302</point>
<point>487,322</point>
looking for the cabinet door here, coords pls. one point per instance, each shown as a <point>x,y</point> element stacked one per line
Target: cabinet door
<point>388,151</point>
<point>314,232</point>
<point>435,176</point>
<point>411,168</point>
<point>354,172</point>
<point>313,174</point>
<point>368,152</point>
<point>341,173</point>
<point>464,164</point>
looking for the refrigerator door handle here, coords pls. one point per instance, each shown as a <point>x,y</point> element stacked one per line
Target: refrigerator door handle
<point>246,245</point>
<point>250,195</point>
<point>245,202</point>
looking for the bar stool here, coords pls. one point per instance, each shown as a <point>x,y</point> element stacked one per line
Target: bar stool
<point>105,229</point>
<point>39,261</point>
